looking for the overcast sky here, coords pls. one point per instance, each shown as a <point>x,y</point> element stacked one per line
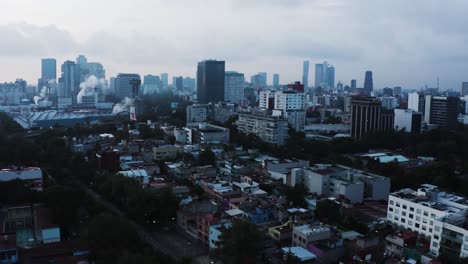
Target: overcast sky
<point>405,43</point>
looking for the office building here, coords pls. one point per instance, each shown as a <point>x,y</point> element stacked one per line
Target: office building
<point>408,120</point>
<point>437,215</point>
<point>196,113</point>
<point>324,76</point>
<point>165,80</point>
<point>124,85</point>
<point>276,83</point>
<point>86,69</point>
<point>368,83</point>
<point>210,81</point>
<point>464,90</point>
<point>258,80</point>
<point>441,111</point>
<point>367,116</point>
<point>69,81</point>
<point>297,86</point>
<point>234,87</point>
<point>389,102</point>
<point>396,91</point>
<point>353,84</point>
<point>190,83</point>
<point>151,84</point>
<point>179,83</point>
<point>49,69</point>
<point>305,74</point>
<point>264,78</point>
<point>416,102</point>
<point>273,130</point>
<point>387,91</point>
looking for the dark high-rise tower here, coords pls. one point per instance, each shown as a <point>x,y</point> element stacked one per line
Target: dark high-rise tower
<point>368,83</point>
<point>353,84</point>
<point>210,81</point>
<point>49,69</point>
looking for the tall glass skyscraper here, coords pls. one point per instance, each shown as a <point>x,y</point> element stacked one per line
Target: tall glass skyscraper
<point>368,83</point>
<point>324,75</point>
<point>276,80</point>
<point>305,74</point>
<point>210,81</point>
<point>49,69</point>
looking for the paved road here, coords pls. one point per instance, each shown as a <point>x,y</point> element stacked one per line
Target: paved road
<point>173,242</point>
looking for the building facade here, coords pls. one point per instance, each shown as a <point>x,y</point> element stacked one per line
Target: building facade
<point>408,121</point>
<point>123,84</point>
<point>234,87</point>
<point>272,130</point>
<point>441,111</point>
<point>210,81</point>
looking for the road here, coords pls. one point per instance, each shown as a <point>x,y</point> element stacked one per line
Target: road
<point>172,242</point>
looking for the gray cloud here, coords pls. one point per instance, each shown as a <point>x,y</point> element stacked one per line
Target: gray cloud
<point>405,43</point>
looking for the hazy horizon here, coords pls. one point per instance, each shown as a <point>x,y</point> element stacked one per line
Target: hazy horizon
<point>406,44</point>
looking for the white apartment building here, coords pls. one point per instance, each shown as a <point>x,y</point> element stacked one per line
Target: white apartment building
<point>264,98</point>
<point>196,113</point>
<point>438,215</point>
<point>289,100</point>
<point>407,120</point>
<point>341,181</point>
<point>273,130</point>
<point>305,234</point>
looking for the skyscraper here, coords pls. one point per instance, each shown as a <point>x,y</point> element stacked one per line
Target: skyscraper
<point>151,84</point>
<point>353,84</point>
<point>264,78</point>
<point>324,76</point>
<point>234,87</point>
<point>69,80</point>
<point>258,80</point>
<point>276,80</point>
<point>179,83</point>
<point>210,81</point>
<point>49,69</point>
<point>368,83</point>
<point>165,79</point>
<point>123,85</point>
<point>464,90</point>
<point>441,111</point>
<point>367,116</point>
<point>305,74</point>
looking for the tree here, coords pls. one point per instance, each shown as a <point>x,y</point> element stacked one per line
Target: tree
<point>296,195</point>
<point>242,243</point>
<point>328,211</point>
<point>207,157</point>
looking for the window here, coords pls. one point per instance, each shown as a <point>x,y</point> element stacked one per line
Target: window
<point>410,223</point>
<point>416,225</point>
<point>424,220</point>
<point>437,228</point>
<point>391,202</point>
<point>424,228</point>
<point>431,222</point>
<point>403,220</point>
<point>433,216</point>
<point>418,218</point>
<point>396,218</point>
<point>430,230</point>
<point>436,237</point>
<point>404,206</point>
<point>418,211</point>
<point>435,244</point>
<point>403,213</point>
<point>397,211</point>
<point>390,216</point>
<point>397,204</point>
<point>426,213</point>
<point>465,247</point>
<point>411,216</point>
<point>466,238</point>
<point>390,209</point>
<point>411,209</point>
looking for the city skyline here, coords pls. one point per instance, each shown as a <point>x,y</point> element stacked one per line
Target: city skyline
<point>351,43</point>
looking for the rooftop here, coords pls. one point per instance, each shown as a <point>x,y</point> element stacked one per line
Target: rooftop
<point>299,252</point>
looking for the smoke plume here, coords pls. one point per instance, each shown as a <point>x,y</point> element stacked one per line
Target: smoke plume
<point>89,87</point>
<point>123,106</point>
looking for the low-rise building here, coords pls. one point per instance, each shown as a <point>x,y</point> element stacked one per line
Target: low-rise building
<point>166,152</point>
<point>305,234</point>
<point>216,231</point>
<point>31,175</point>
